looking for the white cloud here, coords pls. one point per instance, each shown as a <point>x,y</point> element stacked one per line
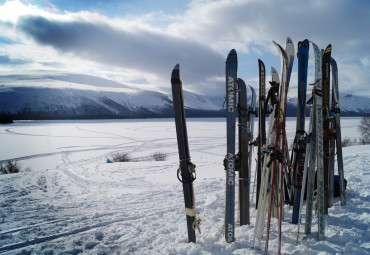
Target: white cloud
<point>199,38</point>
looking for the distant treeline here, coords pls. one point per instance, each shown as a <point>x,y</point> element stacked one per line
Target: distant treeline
<point>140,113</point>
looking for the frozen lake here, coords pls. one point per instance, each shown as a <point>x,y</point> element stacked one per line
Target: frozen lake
<point>35,142</point>
<point>73,202</point>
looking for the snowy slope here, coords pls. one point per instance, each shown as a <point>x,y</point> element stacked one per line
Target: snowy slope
<point>350,104</point>
<point>64,95</point>
<point>72,202</point>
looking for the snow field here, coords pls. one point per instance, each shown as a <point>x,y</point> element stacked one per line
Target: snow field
<point>72,202</point>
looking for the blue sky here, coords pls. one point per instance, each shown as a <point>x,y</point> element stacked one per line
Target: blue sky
<point>138,42</point>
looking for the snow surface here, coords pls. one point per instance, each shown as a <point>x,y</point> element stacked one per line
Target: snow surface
<point>73,202</point>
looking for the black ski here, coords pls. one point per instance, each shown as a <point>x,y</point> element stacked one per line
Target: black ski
<point>325,67</point>
<point>261,140</point>
<point>243,154</point>
<point>186,171</point>
<point>231,87</point>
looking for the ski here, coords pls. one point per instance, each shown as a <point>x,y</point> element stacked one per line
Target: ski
<point>244,170</point>
<point>251,114</point>
<point>310,183</point>
<point>272,102</point>
<point>231,87</point>
<point>318,111</point>
<point>299,145</point>
<point>276,156</point>
<point>261,140</point>
<point>187,168</point>
<point>305,174</point>
<point>325,73</point>
<point>336,110</point>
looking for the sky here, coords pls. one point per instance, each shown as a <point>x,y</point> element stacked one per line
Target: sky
<point>139,42</point>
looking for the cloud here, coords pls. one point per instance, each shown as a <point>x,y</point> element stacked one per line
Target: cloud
<point>146,47</point>
<point>143,50</point>
<point>245,25</point>
<point>6,60</point>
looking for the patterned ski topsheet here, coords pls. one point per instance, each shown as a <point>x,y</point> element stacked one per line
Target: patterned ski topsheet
<point>231,87</point>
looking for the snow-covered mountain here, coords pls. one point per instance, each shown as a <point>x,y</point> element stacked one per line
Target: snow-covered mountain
<point>350,105</point>
<point>57,95</point>
<point>62,95</point>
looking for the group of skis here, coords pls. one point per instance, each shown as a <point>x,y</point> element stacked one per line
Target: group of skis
<point>282,177</point>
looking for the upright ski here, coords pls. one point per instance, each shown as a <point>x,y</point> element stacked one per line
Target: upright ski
<point>231,87</point>
<point>326,122</point>
<point>265,188</point>
<point>261,140</point>
<point>186,169</point>
<point>251,114</point>
<point>338,133</point>
<point>276,156</point>
<point>244,170</point>
<point>318,111</point>
<point>299,146</point>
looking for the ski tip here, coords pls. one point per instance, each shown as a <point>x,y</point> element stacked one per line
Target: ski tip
<point>289,40</point>
<point>303,44</point>
<point>328,48</point>
<point>241,83</point>
<point>232,52</point>
<point>175,73</point>
<point>278,46</point>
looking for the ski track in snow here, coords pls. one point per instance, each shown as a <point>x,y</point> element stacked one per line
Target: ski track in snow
<point>82,205</point>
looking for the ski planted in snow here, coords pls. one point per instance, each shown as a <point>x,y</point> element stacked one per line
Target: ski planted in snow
<point>264,191</point>
<point>338,133</point>
<point>230,159</point>
<point>317,95</point>
<point>300,140</point>
<point>186,171</point>
<point>261,140</point>
<point>277,154</point>
<point>327,131</point>
<point>244,172</point>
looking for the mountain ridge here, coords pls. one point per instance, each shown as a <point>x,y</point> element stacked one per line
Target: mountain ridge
<point>73,96</point>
